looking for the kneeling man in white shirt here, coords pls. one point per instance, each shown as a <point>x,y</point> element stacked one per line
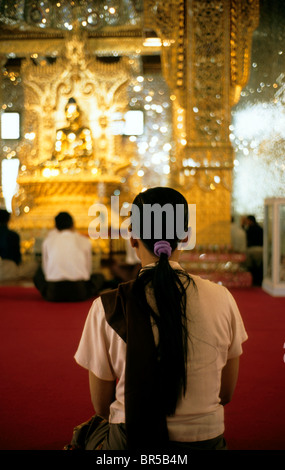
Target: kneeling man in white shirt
<point>66,273</point>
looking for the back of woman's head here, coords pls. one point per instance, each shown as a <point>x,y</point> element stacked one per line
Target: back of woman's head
<point>162,215</point>
<point>160,221</point>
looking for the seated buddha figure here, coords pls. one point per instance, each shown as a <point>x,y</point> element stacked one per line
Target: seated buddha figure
<point>73,141</point>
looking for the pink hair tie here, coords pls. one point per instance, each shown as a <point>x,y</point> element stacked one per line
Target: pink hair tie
<point>162,247</point>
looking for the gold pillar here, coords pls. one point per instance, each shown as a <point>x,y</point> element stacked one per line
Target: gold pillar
<point>205,61</point>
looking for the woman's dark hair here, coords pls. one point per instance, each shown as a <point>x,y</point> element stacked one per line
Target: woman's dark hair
<point>169,288</point>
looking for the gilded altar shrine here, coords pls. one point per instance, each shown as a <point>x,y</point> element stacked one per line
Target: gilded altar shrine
<point>71,157</point>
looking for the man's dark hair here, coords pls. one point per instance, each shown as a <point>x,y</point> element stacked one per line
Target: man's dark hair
<point>63,221</point>
<point>4,217</point>
<point>252,218</point>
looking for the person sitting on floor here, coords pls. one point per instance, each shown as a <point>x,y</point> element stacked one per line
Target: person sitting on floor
<point>10,252</point>
<point>122,272</point>
<point>12,267</point>
<point>162,351</point>
<point>238,237</point>
<point>254,252</point>
<point>66,272</point>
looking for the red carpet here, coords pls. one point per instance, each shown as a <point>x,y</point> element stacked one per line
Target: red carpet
<point>255,418</point>
<point>44,393</point>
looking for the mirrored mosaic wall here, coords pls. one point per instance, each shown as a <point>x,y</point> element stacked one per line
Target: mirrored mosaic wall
<point>258,120</point>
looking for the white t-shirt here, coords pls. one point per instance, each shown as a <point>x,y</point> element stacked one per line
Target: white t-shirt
<point>216,334</point>
<point>66,255</point>
<point>238,238</point>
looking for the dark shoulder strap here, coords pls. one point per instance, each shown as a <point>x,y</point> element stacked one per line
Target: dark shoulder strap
<point>114,303</point>
<point>145,419</point>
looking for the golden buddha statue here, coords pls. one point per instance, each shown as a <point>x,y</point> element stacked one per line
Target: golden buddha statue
<point>73,141</point>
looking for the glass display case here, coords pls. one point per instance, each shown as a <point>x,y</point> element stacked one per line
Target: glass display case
<point>274,247</point>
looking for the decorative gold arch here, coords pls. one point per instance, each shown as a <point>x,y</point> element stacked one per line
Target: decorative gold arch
<point>100,89</point>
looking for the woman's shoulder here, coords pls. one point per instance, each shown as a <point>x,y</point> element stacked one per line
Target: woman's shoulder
<point>110,296</point>
<point>214,296</point>
<point>114,304</point>
<point>206,286</point>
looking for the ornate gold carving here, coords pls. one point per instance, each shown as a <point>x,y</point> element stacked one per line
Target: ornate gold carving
<point>101,90</point>
<point>168,20</point>
<point>205,60</point>
<point>212,39</point>
<point>212,209</point>
<point>207,100</point>
<point>244,20</point>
